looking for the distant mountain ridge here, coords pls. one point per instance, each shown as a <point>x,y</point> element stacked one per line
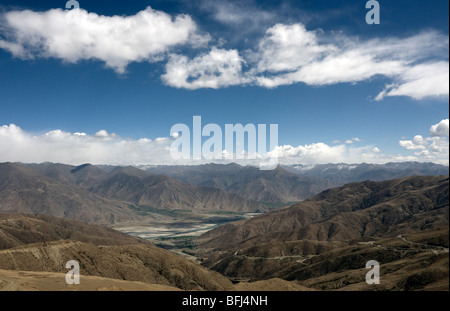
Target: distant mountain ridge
<point>291,183</point>
<point>115,194</point>
<point>92,195</point>
<point>160,191</point>
<point>249,182</point>
<point>26,190</point>
<point>343,173</point>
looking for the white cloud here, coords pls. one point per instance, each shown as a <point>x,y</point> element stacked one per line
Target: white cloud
<point>17,145</point>
<point>440,129</point>
<point>102,134</point>
<point>14,48</point>
<point>321,153</point>
<point>353,140</point>
<point>416,66</point>
<point>115,40</point>
<point>236,13</point>
<point>291,54</point>
<point>219,68</point>
<point>434,148</point>
<point>417,143</point>
<point>420,81</point>
<point>289,47</point>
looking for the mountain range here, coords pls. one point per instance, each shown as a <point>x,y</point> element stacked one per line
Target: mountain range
<point>397,222</point>
<point>163,192</point>
<point>353,211</point>
<point>26,190</point>
<point>89,194</point>
<point>51,213</point>
<point>291,183</point>
<point>343,173</point>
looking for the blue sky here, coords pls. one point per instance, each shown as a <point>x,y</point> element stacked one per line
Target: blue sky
<point>108,88</point>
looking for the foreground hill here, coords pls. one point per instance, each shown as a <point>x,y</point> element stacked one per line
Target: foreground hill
<point>417,261</point>
<point>103,253</point>
<point>50,281</point>
<point>18,230</point>
<point>26,190</point>
<point>137,262</point>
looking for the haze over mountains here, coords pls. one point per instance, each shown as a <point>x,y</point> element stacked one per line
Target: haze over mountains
<point>291,183</point>
<point>342,173</point>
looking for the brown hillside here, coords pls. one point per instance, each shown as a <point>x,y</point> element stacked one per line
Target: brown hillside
<point>143,263</point>
<point>103,253</point>
<point>25,190</point>
<point>48,281</point>
<point>19,229</point>
<point>163,192</point>
<point>354,211</point>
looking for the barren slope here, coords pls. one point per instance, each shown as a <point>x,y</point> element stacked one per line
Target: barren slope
<point>49,281</point>
<point>249,182</point>
<point>366,209</point>
<point>104,253</point>
<point>25,190</point>
<point>163,192</point>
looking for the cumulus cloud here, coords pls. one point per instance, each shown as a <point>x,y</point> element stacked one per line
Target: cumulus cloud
<point>416,66</point>
<point>17,145</point>
<point>291,54</point>
<point>288,48</point>
<point>351,141</point>
<point>416,143</point>
<point>434,148</point>
<point>440,129</point>
<point>216,69</point>
<point>115,40</point>
<point>321,153</point>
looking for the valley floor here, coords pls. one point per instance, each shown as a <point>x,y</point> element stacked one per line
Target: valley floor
<point>184,224</point>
